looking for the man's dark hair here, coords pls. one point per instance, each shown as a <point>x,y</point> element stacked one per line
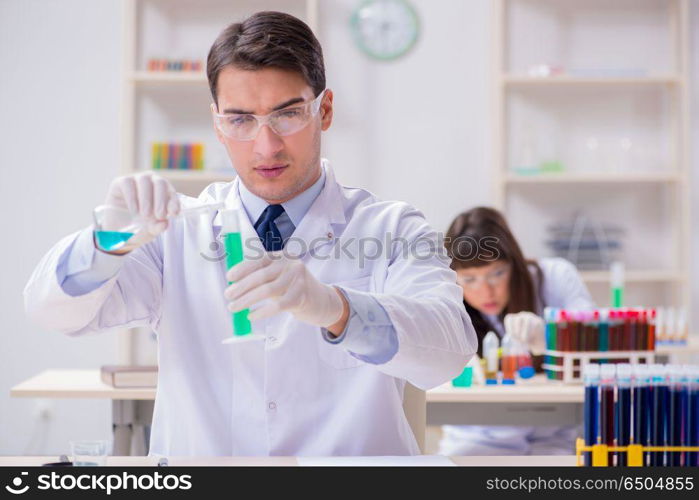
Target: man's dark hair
<point>268,40</point>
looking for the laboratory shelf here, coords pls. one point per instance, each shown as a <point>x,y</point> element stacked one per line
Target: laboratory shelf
<point>595,177</point>
<point>631,276</point>
<point>515,80</point>
<point>195,175</point>
<point>616,123</point>
<point>166,77</point>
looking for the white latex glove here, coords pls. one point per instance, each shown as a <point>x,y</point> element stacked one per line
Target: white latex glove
<point>528,328</point>
<point>149,196</point>
<point>288,285</point>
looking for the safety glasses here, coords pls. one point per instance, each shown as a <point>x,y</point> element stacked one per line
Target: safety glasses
<point>287,121</point>
<point>493,278</point>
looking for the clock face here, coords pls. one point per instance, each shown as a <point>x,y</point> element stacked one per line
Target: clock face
<point>385,29</point>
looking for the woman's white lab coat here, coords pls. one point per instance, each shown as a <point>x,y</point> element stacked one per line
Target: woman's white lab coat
<point>292,393</point>
<point>562,287</point>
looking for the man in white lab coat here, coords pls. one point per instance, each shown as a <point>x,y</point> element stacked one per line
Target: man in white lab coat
<point>350,296</point>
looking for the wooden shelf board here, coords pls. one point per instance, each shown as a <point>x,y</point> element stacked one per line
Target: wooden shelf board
<point>165,77</point>
<point>196,175</point>
<point>515,80</point>
<point>592,177</point>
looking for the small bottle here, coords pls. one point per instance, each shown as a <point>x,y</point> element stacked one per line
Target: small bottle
<point>509,359</point>
<point>617,283</point>
<point>651,330</point>
<point>491,344</point>
<point>525,366</point>
<point>670,325</point>
<point>660,328</point>
<point>681,328</point>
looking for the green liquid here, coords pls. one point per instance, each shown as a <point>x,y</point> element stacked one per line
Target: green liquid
<point>234,255</point>
<point>617,297</point>
<point>111,240</point>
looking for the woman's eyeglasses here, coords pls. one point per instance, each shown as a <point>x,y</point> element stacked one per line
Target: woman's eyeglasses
<point>493,278</point>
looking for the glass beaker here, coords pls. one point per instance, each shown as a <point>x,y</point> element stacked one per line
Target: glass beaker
<point>116,226</point>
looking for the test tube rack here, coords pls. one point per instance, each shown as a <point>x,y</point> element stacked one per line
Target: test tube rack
<point>573,362</point>
<point>634,452</point>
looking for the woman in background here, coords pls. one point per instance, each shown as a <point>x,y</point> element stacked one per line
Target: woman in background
<point>502,288</point>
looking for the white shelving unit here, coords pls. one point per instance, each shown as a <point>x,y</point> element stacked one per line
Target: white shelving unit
<point>620,74</point>
<point>162,106</point>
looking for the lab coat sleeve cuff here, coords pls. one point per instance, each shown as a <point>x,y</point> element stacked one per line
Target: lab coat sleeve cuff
<point>83,268</point>
<point>369,334</point>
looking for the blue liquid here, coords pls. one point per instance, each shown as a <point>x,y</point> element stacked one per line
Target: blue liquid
<point>692,434</point>
<point>111,240</point>
<point>659,424</point>
<point>622,415</point>
<point>590,418</point>
<point>641,417</point>
<point>606,419</point>
<point>678,423</point>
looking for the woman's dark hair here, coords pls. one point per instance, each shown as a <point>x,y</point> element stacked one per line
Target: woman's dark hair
<point>268,40</point>
<point>480,237</point>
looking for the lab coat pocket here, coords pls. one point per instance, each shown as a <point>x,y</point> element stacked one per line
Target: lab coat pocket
<point>336,355</point>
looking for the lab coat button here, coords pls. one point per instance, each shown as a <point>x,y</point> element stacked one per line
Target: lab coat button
<point>272,339</point>
<point>330,236</point>
<point>272,405</point>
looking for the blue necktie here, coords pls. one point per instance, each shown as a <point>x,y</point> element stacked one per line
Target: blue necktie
<point>267,230</point>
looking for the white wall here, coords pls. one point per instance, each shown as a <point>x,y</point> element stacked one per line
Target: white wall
<point>694,140</point>
<point>402,125</point>
<point>59,138</point>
